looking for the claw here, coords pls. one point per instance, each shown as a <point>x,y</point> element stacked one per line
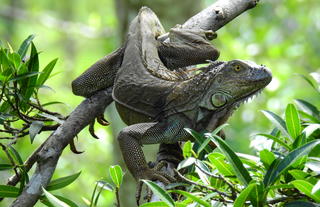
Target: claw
<point>73,147</point>
<point>102,120</point>
<point>91,130</point>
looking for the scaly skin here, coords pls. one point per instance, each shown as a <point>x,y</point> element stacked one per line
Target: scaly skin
<point>157,100</point>
<point>157,108</point>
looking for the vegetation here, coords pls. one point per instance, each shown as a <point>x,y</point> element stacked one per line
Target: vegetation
<point>276,168</point>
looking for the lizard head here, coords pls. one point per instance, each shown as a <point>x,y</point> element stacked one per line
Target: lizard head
<point>233,82</point>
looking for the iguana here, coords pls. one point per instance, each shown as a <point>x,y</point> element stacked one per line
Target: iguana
<point>156,102</point>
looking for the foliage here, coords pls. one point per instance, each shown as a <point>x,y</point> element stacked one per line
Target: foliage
<point>286,174</point>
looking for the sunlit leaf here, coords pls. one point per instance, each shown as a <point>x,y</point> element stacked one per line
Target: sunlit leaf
<point>275,171</point>
<point>62,182</point>
<point>277,121</point>
<point>276,139</point>
<point>306,188</point>
<point>316,188</point>
<point>199,138</point>
<point>45,201</point>
<point>267,157</point>
<point>25,45</point>
<point>217,160</point>
<point>116,175</point>
<point>162,194</point>
<point>310,129</point>
<point>242,197</point>
<point>46,72</point>
<point>186,163</point>
<point>240,171</point>
<point>186,150</point>
<point>54,200</point>
<point>192,197</point>
<point>293,121</point>
<point>308,108</point>
<point>155,204</point>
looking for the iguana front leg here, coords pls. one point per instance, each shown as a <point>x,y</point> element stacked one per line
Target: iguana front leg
<point>131,139</point>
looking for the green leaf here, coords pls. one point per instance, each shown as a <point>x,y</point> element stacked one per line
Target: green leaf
<point>34,129</point>
<point>116,175</point>
<point>7,191</point>
<point>301,204</point>
<point>192,197</point>
<point>217,160</point>
<point>277,121</point>
<point>240,171</point>
<point>276,139</point>
<point>316,188</point>
<point>298,174</point>
<point>162,194</point>
<point>25,45</point>
<point>5,167</point>
<point>199,138</point>
<point>275,171</point>
<point>155,204</point>
<point>200,169</point>
<point>308,108</point>
<point>46,72</point>
<point>16,155</point>
<point>310,129</point>
<point>186,150</point>
<point>45,201</point>
<point>267,158</point>
<point>242,197</point>
<point>187,162</point>
<point>306,188</point>
<point>314,86</point>
<point>293,121</point>
<point>23,76</point>
<point>54,200</point>
<point>62,182</point>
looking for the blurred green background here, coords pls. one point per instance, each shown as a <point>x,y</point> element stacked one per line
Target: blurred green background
<point>284,35</point>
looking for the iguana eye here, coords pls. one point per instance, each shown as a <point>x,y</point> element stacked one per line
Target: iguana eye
<point>237,68</point>
<point>218,100</point>
<point>210,35</point>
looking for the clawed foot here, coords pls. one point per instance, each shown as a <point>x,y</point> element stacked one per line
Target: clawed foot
<point>153,174</point>
<point>101,120</point>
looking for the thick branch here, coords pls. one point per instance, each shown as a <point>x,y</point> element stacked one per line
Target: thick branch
<point>213,17</point>
<point>53,147</point>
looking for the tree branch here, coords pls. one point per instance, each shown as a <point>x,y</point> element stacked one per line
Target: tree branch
<point>213,17</point>
<point>49,154</point>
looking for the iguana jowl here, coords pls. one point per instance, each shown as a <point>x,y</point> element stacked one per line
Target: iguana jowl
<point>157,103</point>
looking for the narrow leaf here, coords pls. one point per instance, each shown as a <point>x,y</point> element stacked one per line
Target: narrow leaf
<point>267,157</point>
<point>242,197</point>
<point>46,72</point>
<point>277,121</point>
<point>162,194</point>
<point>7,191</point>
<point>25,45</point>
<point>293,121</point>
<point>192,197</point>
<point>54,200</point>
<point>62,182</point>
<point>217,160</point>
<point>306,188</point>
<point>199,138</point>
<point>5,167</point>
<point>240,170</point>
<point>276,139</point>
<point>155,204</point>
<point>316,188</point>
<point>35,128</point>
<point>275,171</point>
<point>116,174</point>
<point>308,108</point>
